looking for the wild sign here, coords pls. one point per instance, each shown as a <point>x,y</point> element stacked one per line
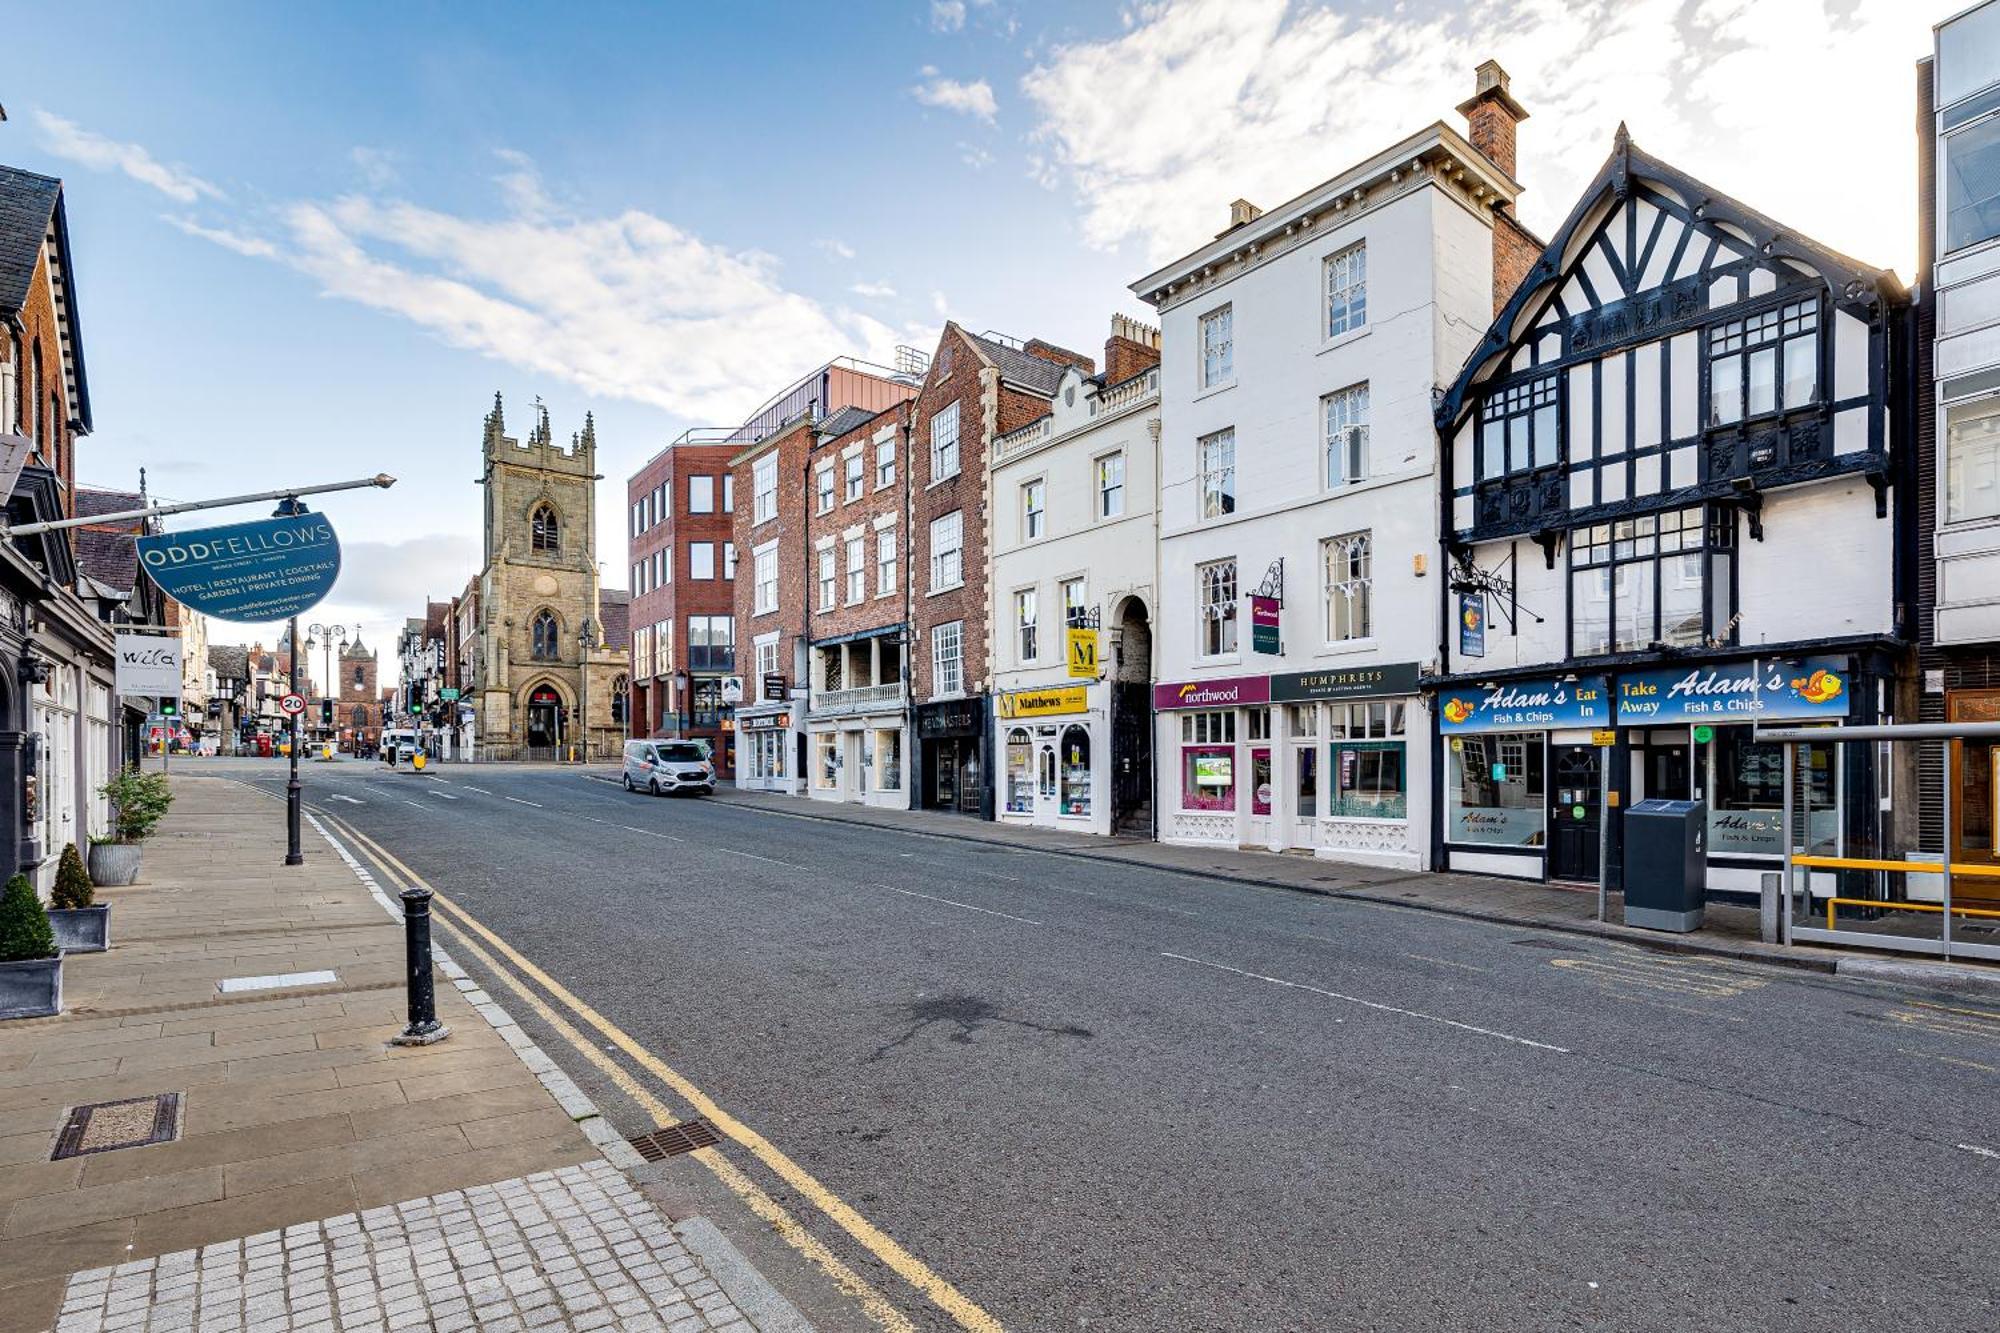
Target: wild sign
<point>149,664</point>
<point>266,570</point>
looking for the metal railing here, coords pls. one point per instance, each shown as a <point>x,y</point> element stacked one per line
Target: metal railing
<point>859,697</point>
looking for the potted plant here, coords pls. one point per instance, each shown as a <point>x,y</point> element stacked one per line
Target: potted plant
<point>138,802</point>
<point>82,924</point>
<point>30,963</point>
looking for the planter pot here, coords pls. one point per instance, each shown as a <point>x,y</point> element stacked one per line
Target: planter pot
<point>31,989</point>
<point>82,929</point>
<point>113,864</point>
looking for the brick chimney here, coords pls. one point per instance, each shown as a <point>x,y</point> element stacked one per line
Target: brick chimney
<point>1491,114</point>
<point>1131,349</point>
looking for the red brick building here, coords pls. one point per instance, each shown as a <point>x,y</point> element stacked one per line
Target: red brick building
<point>43,391</point>
<point>857,536</point>
<point>681,527</point>
<point>771,605</point>
<point>358,712</point>
<point>977,386</point>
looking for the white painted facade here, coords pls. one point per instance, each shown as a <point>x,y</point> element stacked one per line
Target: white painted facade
<point>1072,521</point>
<point>1314,773</point>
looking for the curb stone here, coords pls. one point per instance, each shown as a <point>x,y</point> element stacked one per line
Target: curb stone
<point>1937,976</point>
<point>747,1289</point>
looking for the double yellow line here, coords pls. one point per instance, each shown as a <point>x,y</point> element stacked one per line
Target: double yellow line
<point>883,1247</point>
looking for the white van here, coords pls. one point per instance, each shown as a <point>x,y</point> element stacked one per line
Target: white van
<point>665,766</point>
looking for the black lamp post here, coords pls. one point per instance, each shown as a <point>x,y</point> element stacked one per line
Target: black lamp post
<point>325,635</point>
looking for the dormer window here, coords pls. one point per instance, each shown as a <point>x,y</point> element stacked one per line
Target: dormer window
<point>1763,363</point>
<point>1519,428</point>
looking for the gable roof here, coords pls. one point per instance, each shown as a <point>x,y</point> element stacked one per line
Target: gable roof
<point>845,420</point>
<point>1030,372</point>
<point>108,559</point>
<point>1733,228</point>
<point>31,208</point>
<point>91,501</point>
<point>229,661</point>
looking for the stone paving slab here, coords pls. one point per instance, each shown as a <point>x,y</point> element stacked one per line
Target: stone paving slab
<point>573,1249</point>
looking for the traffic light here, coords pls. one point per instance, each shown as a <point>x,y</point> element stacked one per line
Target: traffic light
<point>416,707</point>
<point>326,712</point>
<point>170,708</point>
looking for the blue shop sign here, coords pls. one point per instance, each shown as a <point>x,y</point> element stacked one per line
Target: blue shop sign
<point>1526,705</point>
<point>267,570</point>
<point>1764,690</point>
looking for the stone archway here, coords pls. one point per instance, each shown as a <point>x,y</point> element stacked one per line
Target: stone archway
<point>546,717</point>
<point>1132,718</point>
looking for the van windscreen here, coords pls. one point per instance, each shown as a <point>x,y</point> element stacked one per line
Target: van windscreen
<point>680,754</point>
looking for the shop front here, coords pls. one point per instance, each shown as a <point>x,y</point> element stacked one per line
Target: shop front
<point>955,769</point>
<point>857,753</point>
<point>1054,747</point>
<point>769,747</point>
<point>1317,761</point>
<point>1537,771</point>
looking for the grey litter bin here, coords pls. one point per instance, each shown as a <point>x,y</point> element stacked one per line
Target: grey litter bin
<point>1666,864</point>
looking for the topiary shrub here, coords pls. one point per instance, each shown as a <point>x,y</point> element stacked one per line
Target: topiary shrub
<point>25,931</point>
<point>139,801</point>
<point>73,887</point>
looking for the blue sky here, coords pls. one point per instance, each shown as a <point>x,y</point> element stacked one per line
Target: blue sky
<point>313,241</point>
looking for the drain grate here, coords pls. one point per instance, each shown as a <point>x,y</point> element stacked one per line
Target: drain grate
<point>133,1122</point>
<point>676,1139</point>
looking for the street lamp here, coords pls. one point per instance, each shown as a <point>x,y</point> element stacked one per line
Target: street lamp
<point>586,639</point>
<point>325,635</point>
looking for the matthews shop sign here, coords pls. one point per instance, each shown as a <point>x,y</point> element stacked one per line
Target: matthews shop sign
<point>1345,683</point>
<point>267,570</point>
<point>1051,702</point>
<point>1766,690</point>
<point>1526,705</point>
<point>1222,692</point>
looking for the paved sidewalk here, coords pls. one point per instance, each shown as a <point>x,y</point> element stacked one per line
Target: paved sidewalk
<point>312,1175</point>
<point>1729,930</point>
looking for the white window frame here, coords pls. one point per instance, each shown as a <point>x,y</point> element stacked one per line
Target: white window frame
<point>764,563</point>
<point>1073,607</point>
<point>885,562</point>
<point>855,477</point>
<point>1344,291</point>
<point>944,443</point>
<point>828,580</point>
<point>1344,421</point>
<point>729,560</point>
<point>1027,625</point>
<point>948,562</point>
<point>1347,564</point>
<point>764,489</point>
<point>1215,455</point>
<point>857,570</point>
<point>1218,614</point>
<point>695,562</point>
<point>1216,345</point>
<point>1953,484</point>
<point>701,494</point>
<point>1034,509</point>
<point>823,489</point>
<point>759,646</point>
<point>729,492</point>
<point>1107,488</point>
<point>948,659</point>
<point>885,464</point>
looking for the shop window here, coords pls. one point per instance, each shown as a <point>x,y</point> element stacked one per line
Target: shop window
<point>1746,783</point>
<point>1369,760</point>
<point>1075,771</point>
<point>1020,772</point>
<point>826,763</point>
<point>1260,781</point>
<point>1494,790</point>
<point>1653,579</point>
<point>1208,751</point>
<point>889,760</point>
<point>1972,460</point>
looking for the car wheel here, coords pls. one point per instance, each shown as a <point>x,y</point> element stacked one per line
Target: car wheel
<point>653,786</point>
<point>626,779</point>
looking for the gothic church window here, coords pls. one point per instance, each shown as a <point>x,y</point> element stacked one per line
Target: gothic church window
<point>545,529</point>
<point>544,643</point>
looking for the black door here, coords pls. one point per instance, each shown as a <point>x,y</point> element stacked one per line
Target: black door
<point>1132,758</point>
<point>1574,813</point>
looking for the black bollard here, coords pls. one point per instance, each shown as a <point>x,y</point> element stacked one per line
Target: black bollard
<point>424,1028</point>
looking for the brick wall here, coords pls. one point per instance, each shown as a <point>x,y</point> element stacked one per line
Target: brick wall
<point>958,374</point>
<point>1124,358</point>
<point>40,333</point>
<point>1062,356</point>
<point>788,529</point>
<point>1515,251</point>
<point>873,611</point>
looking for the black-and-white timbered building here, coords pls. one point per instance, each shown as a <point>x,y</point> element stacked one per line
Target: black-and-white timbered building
<point>1669,480</point>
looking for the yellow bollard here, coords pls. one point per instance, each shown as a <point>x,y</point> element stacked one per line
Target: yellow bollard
<point>417,761</point>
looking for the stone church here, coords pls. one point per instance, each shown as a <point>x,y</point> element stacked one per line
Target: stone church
<point>546,682</point>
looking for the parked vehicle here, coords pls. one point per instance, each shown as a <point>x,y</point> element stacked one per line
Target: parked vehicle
<point>668,766</point>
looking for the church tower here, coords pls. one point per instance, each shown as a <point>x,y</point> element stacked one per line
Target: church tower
<point>542,666</point>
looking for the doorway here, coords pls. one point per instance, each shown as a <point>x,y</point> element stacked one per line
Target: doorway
<point>1574,812</point>
<point>544,714</point>
<point>1669,773</point>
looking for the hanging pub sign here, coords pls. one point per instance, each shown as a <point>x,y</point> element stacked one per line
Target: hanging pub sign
<point>1082,644</point>
<point>1369,682</point>
<point>267,570</point>
<point>1472,624</point>
<point>1765,690</point>
<point>1266,615</point>
<point>1525,705</point>
<point>148,664</point>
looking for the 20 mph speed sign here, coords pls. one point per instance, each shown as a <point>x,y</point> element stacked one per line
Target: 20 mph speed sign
<point>292,705</point>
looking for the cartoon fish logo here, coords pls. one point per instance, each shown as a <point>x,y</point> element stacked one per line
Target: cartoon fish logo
<point>1819,687</point>
<point>1456,710</point>
<point>1471,615</point>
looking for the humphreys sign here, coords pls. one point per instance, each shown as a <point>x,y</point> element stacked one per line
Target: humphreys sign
<point>149,664</point>
<point>267,570</point>
<point>1526,705</point>
<point>1345,683</point>
<point>1765,690</point>
<point>1223,692</point>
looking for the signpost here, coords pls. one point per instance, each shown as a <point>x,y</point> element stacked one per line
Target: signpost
<point>292,705</point>
<point>148,664</point>
<point>1266,614</point>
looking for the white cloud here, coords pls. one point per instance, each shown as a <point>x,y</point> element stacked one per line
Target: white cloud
<point>873,289</point>
<point>834,246</point>
<point>377,165</point>
<point>947,15</point>
<point>70,141</point>
<point>629,306</point>
<point>967,99</point>
<point>1779,102</point>
<point>974,156</point>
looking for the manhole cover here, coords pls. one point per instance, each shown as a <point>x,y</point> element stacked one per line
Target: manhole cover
<point>676,1139</point>
<point>133,1122</point>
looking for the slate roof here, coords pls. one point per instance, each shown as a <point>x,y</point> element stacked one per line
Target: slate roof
<point>109,559</point>
<point>1044,377</point>
<point>232,662</point>
<point>27,204</point>
<point>845,420</point>
<point>614,608</point>
<point>90,502</point>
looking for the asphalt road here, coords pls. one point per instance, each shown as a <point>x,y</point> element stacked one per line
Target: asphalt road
<point>1095,1097</point>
